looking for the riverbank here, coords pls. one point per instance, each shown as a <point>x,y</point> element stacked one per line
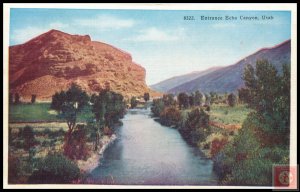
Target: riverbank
<point>93,161</point>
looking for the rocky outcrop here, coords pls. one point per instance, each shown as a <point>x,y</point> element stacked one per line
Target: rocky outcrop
<point>54,60</point>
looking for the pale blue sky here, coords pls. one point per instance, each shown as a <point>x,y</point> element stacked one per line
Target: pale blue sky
<point>161,41</point>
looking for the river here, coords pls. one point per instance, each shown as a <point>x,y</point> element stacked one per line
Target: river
<point>147,153</point>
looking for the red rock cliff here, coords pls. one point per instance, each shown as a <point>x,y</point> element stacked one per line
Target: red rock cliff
<point>53,60</point>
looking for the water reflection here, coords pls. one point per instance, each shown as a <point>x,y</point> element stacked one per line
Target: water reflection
<point>151,154</point>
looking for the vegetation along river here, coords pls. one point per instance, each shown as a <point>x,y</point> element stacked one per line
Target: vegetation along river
<point>147,153</point>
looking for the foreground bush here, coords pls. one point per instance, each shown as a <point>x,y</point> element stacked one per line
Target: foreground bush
<point>55,169</point>
<point>246,160</point>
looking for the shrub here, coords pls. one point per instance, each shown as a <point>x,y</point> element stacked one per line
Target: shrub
<point>33,98</point>
<point>17,98</point>
<point>55,169</point>
<point>245,160</point>
<point>28,135</point>
<point>13,169</point>
<point>133,102</point>
<point>232,99</point>
<point>76,147</point>
<point>217,145</point>
<point>170,116</point>
<point>157,107</point>
<point>195,128</point>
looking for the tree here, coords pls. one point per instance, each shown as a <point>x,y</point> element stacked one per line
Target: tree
<point>231,99</point>
<point>108,108</point>
<point>157,107</point>
<point>270,95</point>
<point>33,98</point>
<point>170,116</point>
<point>183,100</point>
<point>146,96</point>
<point>213,96</point>
<point>244,95</point>
<point>198,98</point>
<point>168,100</point>
<point>17,98</point>
<point>28,136</point>
<point>133,102</point>
<point>11,98</point>
<point>207,100</point>
<point>196,126</point>
<point>68,104</point>
<point>191,100</point>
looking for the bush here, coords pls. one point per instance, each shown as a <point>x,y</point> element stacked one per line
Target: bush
<point>33,98</point>
<point>170,116</point>
<point>13,169</point>
<point>157,107</point>
<point>232,99</point>
<point>217,145</point>
<point>28,135</point>
<point>55,169</point>
<point>76,147</point>
<point>245,160</point>
<point>195,128</point>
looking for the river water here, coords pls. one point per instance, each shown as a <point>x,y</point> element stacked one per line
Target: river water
<point>147,153</point>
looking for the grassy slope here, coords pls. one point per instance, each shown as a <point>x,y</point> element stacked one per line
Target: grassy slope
<point>39,112</point>
<point>224,114</point>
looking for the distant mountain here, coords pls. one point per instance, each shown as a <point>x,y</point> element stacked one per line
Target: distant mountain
<point>166,85</point>
<point>52,61</point>
<point>229,79</point>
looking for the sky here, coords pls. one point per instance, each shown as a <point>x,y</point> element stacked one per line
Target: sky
<point>161,41</point>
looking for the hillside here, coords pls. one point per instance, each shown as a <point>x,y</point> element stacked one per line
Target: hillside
<point>53,60</point>
<point>229,79</point>
<point>166,85</point>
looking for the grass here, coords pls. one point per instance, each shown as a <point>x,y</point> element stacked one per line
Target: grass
<point>31,112</point>
<point>225,114</point>
<point>41,112</point>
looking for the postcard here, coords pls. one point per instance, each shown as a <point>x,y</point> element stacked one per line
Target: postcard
<point>150,96</point>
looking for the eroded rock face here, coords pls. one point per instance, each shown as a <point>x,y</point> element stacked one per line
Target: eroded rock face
<point>53,60</point>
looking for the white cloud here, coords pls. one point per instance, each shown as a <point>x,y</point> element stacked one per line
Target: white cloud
<point>106,22</point>
<point>154,34</point>
<point>58,25</point>
<point>25,34</point>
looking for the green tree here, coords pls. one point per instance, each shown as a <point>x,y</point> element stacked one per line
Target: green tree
<point>133,102</point>
<point>244,95</point>
<point>168,100</point>
<point>108,108</point>
<point>68,104</point>
<point>232,100</point>
<point>11,98</point>
<point>264,138</point>
<point>146,96</point>
<point>183,100</point>
<point>213,97</point>
<point>198,98</point>
<point>28,136</point>
<point>270,95</point>
<point>157,107</point>
<point>196,127</point>
<point>170,116</point>
<point>33,98</point>
<point>17,98</point>
<point>192,100</point>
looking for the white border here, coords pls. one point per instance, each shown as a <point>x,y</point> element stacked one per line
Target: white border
<point>152,6</point>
